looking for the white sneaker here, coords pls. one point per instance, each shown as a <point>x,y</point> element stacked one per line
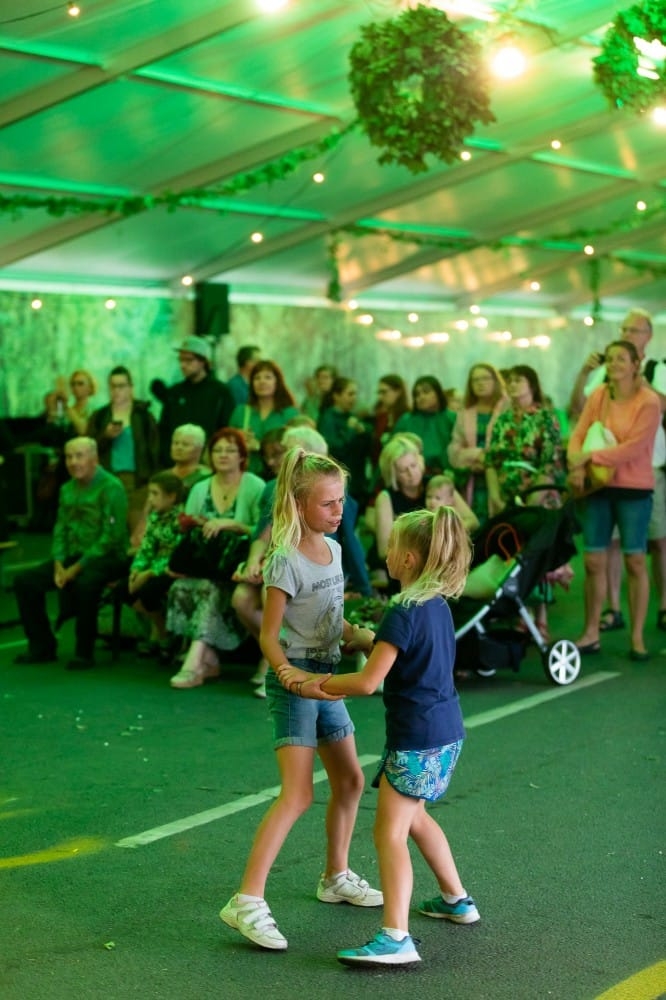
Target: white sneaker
<point>348,888</point>
<point>254,920</point>
<point>260,691</point>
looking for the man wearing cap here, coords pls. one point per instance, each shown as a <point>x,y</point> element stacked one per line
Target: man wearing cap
<point>199,399</point>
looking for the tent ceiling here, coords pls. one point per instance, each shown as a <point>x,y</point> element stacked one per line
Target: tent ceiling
<point>143,96</point>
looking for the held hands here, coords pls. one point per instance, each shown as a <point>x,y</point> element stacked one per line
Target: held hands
<point>113,430</point>
<point>362,640</point>
<point>305,685</point>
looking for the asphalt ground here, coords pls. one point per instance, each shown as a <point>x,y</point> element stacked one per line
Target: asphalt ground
<point>555,815</point>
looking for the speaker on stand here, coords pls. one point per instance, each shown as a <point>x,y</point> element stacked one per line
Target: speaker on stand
<point>211,310</point>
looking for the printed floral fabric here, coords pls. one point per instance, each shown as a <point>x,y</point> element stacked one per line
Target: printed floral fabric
<point>201,609</point>
<point>526,448</point>
<point>163,533</point>
<point>420,774</point>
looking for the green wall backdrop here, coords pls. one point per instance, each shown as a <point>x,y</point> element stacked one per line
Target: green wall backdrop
<point>70,331</point>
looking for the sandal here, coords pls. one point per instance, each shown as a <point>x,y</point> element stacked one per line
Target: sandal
<point>611,620</point>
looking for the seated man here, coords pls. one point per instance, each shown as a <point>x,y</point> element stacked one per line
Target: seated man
<point>89,550</point>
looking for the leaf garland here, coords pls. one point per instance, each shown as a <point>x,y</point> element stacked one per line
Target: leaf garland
<point>557,241</point>
<point>419,85</point>
<point>126,206</point>
<point>616,67</point>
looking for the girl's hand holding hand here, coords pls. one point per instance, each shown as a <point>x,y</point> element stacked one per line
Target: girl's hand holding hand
<point>286,674</point>
<point>362,639</point>
<point>312,688</point>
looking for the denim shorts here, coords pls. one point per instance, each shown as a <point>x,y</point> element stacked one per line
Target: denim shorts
<point>305,722</point>
<point>601,511</point>
<point>420,774</point>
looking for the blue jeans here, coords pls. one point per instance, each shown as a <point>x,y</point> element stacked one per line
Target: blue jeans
<point>304,722</point>
<point>601,511</point>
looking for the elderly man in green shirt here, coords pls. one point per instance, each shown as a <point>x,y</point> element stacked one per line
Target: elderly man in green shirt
<point>89,550</point>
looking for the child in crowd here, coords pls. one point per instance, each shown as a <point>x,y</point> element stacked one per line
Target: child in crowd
<point>303,620</point>
<point>413,653</point>
<point>149,579</point>
<point>441,492</point>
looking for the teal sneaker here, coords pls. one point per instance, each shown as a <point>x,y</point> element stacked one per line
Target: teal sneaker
<point>382,950</point>
<point>463,911</point>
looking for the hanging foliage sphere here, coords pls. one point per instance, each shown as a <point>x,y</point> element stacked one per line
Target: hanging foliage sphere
<point>615,68</point>
<point>419,85</point>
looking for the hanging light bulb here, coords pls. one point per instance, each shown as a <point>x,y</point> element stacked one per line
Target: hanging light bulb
<point>509,61</point>
<point>73,9</point>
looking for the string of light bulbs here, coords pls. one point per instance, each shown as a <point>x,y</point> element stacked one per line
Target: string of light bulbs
<point>70,8</point>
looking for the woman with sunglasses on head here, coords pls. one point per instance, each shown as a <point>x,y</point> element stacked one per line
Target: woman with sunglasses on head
<point>630,410</point>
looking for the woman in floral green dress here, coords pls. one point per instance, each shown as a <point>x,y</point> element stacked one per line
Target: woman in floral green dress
<point>525,448</point>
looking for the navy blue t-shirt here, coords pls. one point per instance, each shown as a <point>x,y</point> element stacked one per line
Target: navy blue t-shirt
<point>422,707</point>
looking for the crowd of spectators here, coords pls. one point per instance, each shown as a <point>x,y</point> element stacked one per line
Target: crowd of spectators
<point>129,479</point>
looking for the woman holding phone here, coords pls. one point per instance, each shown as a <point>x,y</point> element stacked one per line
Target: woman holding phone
<point>127,440</point>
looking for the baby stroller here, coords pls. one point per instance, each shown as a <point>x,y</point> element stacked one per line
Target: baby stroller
<point>524,544</point>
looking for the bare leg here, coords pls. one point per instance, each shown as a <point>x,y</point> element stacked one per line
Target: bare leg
<point>657,549</point>
<point>296,765</point>
<point>395,817</point>
<point>246,602</point>
<point>346,780</point>
<point>434,846</point>
<point>614,574</point>
<point>595,588</point>
<point>639,593</point>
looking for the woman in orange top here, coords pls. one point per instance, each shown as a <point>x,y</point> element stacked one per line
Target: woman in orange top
<point>630,410</point>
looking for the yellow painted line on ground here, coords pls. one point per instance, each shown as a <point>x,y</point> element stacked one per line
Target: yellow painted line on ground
<point>267,794</point>
<point>648,984</point>
<point>59,852</point>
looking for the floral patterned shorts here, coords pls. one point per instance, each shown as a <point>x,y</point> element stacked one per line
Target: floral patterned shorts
<point>420,774</point>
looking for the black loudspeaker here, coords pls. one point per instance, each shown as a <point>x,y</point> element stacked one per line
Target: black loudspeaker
<point>211,310</point>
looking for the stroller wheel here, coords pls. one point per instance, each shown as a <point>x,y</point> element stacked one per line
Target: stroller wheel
<point>561,662</point>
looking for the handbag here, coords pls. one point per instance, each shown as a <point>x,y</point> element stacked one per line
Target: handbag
<point>598,436</point>
<point>214,558</point>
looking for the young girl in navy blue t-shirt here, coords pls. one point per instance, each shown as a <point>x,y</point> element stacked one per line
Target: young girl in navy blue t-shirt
<point>413,653</point>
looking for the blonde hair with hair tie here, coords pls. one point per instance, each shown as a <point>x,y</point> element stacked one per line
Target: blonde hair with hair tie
<point>299,471</point>
<point>440,542</point>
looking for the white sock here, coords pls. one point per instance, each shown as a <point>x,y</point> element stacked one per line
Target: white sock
<point>395,934</point>
<point>453,899</point>
<point>243,897</point>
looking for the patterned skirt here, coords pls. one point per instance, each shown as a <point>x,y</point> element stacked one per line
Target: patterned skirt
<point>201,609</point>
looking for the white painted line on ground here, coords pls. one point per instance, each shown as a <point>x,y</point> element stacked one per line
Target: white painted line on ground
<point>494,714</point>
<point>248,801</point>
<point>13,645</point>
<point>228,809</point>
